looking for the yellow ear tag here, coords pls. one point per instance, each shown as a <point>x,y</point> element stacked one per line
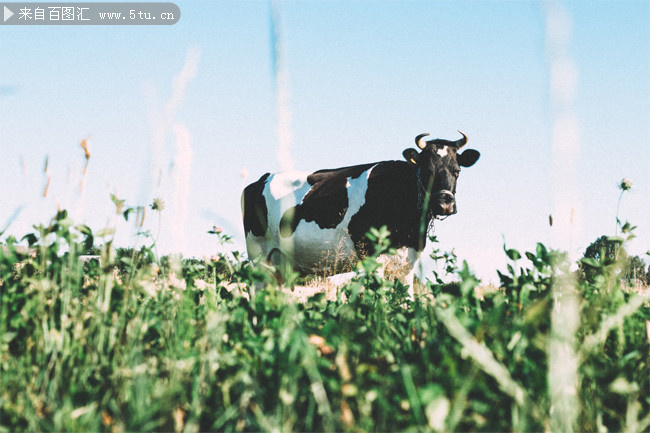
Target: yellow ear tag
<point>413,161</point>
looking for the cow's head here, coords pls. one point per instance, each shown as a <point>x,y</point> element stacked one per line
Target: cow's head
<point>438,166</point>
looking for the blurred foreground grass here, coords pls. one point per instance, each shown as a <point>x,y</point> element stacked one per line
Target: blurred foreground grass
<point>131,342</point>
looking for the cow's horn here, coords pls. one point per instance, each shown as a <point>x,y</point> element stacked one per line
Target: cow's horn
<point>420,142</point>
<point>462,142</point>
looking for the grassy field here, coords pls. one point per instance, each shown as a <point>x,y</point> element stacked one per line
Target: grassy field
<point>131,342</point>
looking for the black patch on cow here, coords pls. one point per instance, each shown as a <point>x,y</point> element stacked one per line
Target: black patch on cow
<point>391,200</point>
<point>255,211</point>
<point>326,202</point>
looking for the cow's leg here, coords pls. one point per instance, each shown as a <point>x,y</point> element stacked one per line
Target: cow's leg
<point>413,259</point>
<point>281,263</point>
<point>390,266</point>
<point>403,265</point>
<point>394,266</point>
<point>383,261</point>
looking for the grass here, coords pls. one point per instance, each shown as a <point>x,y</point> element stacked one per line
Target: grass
<point>130,342</point>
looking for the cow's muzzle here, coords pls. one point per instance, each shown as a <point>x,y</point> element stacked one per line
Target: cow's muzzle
<point>444,203</point>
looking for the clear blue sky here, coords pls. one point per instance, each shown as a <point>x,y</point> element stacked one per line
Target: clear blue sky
<point>364,78</point>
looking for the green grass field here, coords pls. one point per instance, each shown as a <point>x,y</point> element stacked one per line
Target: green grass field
<point>131,342</point>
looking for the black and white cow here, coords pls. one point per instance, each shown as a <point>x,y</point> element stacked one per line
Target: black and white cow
<point>319,220</point>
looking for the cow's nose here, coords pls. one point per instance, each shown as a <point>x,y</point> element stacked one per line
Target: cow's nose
<point>446,203</point>
<point>445,197</point>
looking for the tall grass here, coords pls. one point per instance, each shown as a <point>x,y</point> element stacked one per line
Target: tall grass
<point>125,344</point>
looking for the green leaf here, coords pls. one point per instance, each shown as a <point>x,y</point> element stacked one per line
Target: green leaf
<point>84,229</point>
<point>590,262</point>
<point>102,233</point>
<point>119,204</point>
<point>89,239</point>
<point>8,336</point>
<point>127,212</point>
<point>627,227</point>
<point>512,254</point>
<point>61,215</point>
<point>31,239</point>
<point>468,280</point>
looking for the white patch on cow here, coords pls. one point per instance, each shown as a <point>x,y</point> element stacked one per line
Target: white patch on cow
<point>310,247</point>
<point>280,185</point>
<point>443,151</point>
<point>416,267</point>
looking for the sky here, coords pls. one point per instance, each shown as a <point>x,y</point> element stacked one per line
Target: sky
<point>555,95</point>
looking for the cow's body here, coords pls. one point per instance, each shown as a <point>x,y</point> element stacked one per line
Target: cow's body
<point>319,220</point>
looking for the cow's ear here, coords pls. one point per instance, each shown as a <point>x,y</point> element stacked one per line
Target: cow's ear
<point>411,155</point>
<point>468,158</point>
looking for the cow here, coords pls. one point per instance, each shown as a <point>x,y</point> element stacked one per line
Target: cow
<point>318,221</point>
